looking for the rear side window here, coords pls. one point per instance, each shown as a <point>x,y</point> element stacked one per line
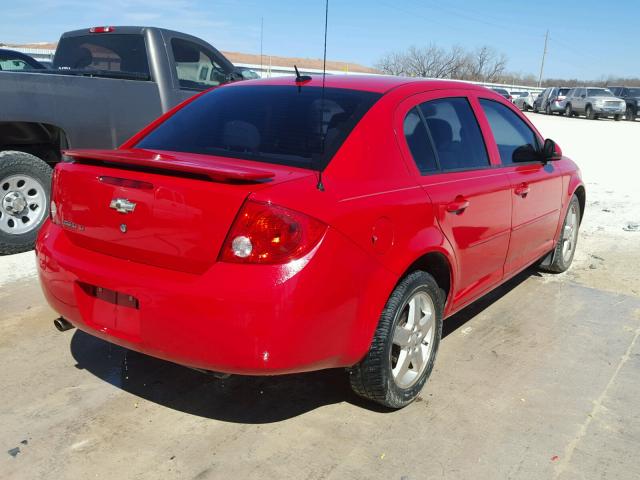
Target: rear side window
<point>268,123</point>
<point>419,143</point>
<point>196,66</point>
<point>511,133</point>
<point>112,52</point>
<point>455,134</point>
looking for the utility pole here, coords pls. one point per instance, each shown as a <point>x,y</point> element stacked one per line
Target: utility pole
<point>261,35</point>
<point>544,54</point>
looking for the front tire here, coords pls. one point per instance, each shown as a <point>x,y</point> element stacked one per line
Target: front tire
<point>562,255</point>
<point>405,344</point>
<point>25,184</point>
<point>589,113</point>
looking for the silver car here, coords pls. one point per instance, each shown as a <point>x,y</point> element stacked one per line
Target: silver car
<point>524,100</point>
<point>593,103</point>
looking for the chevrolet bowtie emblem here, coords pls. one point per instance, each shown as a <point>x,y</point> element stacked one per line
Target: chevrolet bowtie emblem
<point>122,205</point>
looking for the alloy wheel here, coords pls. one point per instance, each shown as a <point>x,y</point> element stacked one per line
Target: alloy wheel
<point>413,339</point>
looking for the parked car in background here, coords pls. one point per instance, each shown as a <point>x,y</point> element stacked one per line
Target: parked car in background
<point>631,96</point>
<point>551,100</point>
<point>12,61</point>
<point>524,100</point>
<point>247,73</point>
<point>214,237</point>
<point>106,84</point>
<point>504,93</point>
<point>594,103</point>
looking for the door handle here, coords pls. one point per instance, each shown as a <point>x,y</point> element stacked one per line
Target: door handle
<point>458,205</point>
<point>522,190</point>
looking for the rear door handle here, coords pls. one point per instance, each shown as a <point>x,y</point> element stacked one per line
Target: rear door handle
<point>522,190</point>
<point>458,205</point>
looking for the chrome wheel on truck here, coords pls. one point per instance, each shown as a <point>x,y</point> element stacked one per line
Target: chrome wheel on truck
<point>24,200</point>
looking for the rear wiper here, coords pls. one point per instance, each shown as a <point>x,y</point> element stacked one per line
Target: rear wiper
<point>105,73</point>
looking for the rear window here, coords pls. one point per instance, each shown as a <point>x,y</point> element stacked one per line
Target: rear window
<point>563,91</point>
<point>287,125</point>
<point>124,54</point>
<point>598,92</point>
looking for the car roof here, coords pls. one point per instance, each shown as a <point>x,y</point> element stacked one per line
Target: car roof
<point>370,83</point>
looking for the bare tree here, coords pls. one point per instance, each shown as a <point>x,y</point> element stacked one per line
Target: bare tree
<point>433,61</point>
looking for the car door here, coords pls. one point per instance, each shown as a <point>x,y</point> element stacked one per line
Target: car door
<point>471,199</point>
<point>578,102</point>
<point>536,187</point>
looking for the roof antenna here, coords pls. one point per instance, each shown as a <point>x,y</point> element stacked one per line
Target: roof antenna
<point>301,78</point>
<point>320,185</point>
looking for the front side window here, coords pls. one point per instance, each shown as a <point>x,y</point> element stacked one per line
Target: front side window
<point>196,67</point>
<point>513,136</point>
<point>455,134</point>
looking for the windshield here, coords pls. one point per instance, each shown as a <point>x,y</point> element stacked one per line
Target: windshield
<point>288,125</point>
<point>563,91</point>
<point>598,92</point>
<point>634,92</point>
<point>107,53</point>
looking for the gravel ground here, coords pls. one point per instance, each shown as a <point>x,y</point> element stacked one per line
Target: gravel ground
<point>540,379</point>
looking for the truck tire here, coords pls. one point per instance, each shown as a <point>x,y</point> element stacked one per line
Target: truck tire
<point>630,115</point>
<point>25,187</point>
<point>405,344</point>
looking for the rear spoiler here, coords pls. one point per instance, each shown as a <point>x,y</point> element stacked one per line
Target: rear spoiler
<point>218,169</point>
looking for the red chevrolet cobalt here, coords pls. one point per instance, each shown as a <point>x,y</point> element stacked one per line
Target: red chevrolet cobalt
<point>279,226</point>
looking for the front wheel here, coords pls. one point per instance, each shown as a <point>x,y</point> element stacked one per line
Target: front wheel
<point>25,183</point>
<point>404,346</point>
<point>562,255</point>
<point>589,113</point>
<point>617,117</point>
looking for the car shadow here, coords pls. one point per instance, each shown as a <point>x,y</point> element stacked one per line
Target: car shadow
<point>238,399</point>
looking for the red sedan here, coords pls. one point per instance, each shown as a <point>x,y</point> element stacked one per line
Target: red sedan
<point>276,226</point>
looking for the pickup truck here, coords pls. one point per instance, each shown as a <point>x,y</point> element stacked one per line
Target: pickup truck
<point>631,96</point>
<point>105,85</point>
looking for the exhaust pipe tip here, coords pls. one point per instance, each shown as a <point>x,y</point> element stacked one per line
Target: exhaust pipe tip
<point>62,325</point>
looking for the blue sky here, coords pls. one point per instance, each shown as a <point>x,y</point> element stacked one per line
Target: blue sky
<point>587,39</point>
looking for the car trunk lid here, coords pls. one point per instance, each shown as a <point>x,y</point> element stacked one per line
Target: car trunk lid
<point>166,209</point>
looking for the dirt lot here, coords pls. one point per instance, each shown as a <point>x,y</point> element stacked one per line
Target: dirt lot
<point>539,380</point>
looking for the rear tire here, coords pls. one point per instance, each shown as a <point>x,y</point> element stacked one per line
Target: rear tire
<point>617,118</point>
<point>405,344</point>
<point>559,260</point>
<point>25,183</point>
<point>547,109</point>
<point>568,110</point>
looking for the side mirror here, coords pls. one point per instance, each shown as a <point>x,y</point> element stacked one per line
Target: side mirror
<point>525,153</point>
<point>551,151</point>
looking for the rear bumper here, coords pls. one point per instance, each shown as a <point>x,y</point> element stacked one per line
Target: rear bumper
<point>318,312</point>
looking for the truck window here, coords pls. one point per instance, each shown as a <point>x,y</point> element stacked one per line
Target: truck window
<point>193,63</point>
<point>108,53</point>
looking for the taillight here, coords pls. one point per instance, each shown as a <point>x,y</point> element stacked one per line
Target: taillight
<point>101,29</point>
<point>268,234</point>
